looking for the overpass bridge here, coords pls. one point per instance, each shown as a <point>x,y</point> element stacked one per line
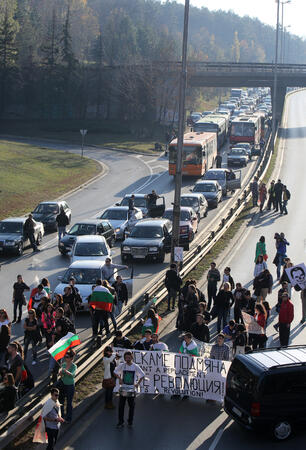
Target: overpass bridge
<point>227,74</point>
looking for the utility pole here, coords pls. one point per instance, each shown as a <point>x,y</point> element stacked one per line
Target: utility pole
<point>83,134</point>
<point>179,155</point>
<point>275,79</point>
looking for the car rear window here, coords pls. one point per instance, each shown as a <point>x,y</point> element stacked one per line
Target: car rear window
<point>241,379</point>
<point>289,382</point>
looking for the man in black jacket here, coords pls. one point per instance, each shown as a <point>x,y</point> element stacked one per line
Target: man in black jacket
<point>122,294</point>
<point>200,330</point>
<point>29,232</point>
<point>278,190</point>
<point>173,283</point>
<point>213,277</point>
<point>62,221</point>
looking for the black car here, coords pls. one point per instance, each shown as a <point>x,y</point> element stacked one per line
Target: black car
<point>87,227</point>
<point>46,213</point>
<point>12,238</point>
<point>266,390</point>
<point>149,239</point>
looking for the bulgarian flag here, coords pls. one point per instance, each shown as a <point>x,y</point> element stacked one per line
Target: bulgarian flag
<point>101,299</point>
<point>191,349</point>
<point>59,350</point>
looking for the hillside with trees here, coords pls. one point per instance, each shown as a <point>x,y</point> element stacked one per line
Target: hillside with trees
<point>55,56</point>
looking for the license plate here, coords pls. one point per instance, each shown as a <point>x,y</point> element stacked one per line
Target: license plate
<point>139,256</point>
<point>237,411</point>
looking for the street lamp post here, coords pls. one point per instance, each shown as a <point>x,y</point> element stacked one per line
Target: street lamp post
<point>282,41</point>
<point>83,134</point>
<point>179,155</point>
<point>275,77</point>
<point>286,38</point>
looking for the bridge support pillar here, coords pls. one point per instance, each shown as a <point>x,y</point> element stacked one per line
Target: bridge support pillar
<point>280,99</point>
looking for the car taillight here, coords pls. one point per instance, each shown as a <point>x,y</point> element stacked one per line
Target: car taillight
<point>255,409</point>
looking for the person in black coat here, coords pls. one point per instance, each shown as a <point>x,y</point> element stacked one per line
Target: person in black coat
<point>8,395</point>
<point>191,307</point>
<point>62,221</point>
<point>223,303</point>
<point>200,330</point>
<point>278,189</point>
<point>173,283</point>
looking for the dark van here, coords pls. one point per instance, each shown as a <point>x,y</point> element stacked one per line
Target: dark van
<point>267,390</point>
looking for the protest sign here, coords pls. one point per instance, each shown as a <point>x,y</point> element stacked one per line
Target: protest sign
<point>251,325</point>
<point>178,374</point>
<point>297,275</point>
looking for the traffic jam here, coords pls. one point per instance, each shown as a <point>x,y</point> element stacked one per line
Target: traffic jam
<point>218,145</point>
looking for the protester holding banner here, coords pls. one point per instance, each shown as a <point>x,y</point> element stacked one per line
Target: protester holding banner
<point>127,373</point>
<point>158,346</point>
<point>189,346</point>
<point>146,342</point>
<point>220,350</point>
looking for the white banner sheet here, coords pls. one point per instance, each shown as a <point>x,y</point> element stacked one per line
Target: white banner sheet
<point>180,374</point>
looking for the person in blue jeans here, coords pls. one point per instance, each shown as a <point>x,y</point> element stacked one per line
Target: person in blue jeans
<point>67,384</point>
<point>281,249</point>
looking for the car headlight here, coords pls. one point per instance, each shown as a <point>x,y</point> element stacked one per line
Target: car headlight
<point>153,249</point>
<point>10,242</point>
<point>126,248</point>
<point>61,244</point>
<point>117,230</point>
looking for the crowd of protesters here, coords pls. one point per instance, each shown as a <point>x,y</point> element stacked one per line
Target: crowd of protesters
<point>277,195</point>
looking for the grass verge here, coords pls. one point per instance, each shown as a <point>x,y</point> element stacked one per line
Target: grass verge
<point>30,174</point>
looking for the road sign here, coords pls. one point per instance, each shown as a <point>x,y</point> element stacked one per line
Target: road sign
<point>83,132</point>
<point>178,254</point>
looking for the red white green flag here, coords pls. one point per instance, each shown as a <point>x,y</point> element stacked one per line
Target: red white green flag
<point>101,299</point>
<point>59,350</point>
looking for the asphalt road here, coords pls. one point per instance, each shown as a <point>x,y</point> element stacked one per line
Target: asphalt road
<point>126,173</point>
<point>165,424</point>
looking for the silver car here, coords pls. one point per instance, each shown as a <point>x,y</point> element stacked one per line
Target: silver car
<point>118,218</point>
<point>197,201</point>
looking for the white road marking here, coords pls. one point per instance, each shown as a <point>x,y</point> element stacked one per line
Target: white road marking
<point>218,436</point>
<point>208,432</point>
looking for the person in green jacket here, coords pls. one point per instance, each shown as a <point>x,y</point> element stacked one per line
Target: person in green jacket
<point>260,248</point>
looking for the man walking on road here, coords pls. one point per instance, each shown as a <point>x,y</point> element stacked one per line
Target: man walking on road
<point>254,190</point>
<point>285,317</point>
<point>285,197</point>
<point>213,277</point>
<point>271,196</point>
<point>218,161</point>
<point>173,283</point>
<point>127,373</point>
<point>62,221</point>
<point>131,206</point>
<point>29,232</point>
<point>278,189</point>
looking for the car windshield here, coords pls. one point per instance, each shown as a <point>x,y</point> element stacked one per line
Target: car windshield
<point>147,232</point>
<point>184,215</point>
<point>80,229</point>
<point>139,202</point>
<point>204,187</point>
<point>46,208</point>
<point>90,249</point>
<point>115,214</point>
<point>242,145</point>
<point>214,175</point>
<point>82,276</point>
<point>190,201</point>
<point>11,227</point>
<point>237,152</point>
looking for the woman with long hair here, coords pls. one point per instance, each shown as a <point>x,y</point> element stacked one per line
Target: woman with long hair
<point>260,248</point>
<point>260,265</point>
<point>58,301</point>
<point>48,323</point>
<point>4,319</point>
<point>67,383</point>
<point>150,323</point>
<point>259,340</point>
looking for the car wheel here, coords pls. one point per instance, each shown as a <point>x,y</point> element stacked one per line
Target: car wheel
<point>161,257</point>
<point>124,258</point>
<point>282,430</point>
<point>39,239</point>
<point>20,249</point>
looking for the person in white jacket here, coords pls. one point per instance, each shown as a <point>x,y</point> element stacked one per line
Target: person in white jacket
<point>260,266</point>
<point>109,363</point>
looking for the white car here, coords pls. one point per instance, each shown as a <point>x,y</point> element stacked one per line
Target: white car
<point>118,218</point>
<point>86,273</point>
<point>90,248</point>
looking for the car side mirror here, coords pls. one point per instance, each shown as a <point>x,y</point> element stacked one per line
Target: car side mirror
<point>117,204</point>
<point>191,190</point>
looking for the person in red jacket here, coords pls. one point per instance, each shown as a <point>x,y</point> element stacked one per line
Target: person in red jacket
<point>285,317</point>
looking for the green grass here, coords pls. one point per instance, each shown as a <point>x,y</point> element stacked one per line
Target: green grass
<point>30,174</point>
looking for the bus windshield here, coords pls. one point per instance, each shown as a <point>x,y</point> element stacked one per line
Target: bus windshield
<point>243,129</point>
<point>206,126</point>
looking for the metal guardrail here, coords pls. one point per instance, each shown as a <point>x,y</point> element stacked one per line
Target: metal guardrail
<point>29,408</point>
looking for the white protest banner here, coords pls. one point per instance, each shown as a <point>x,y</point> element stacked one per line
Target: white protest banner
<point>178,374</point>
<point>297,275</point>
<point>204,348</point>
<point>251,325</point>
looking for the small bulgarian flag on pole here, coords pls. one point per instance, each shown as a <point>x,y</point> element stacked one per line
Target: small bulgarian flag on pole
<point>59,350</point>
<point>101,299</point>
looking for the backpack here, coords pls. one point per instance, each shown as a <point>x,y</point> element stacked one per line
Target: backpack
<point>288,194</point>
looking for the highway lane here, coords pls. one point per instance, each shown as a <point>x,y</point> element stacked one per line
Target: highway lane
<point>126,173</point>
<point>160,423</point>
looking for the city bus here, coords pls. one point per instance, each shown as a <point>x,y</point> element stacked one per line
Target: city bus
<point>213,124</point>
<point>223,116</point>
<point>246,129</point>
<point>262,117</point>
<point>199,153</point>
